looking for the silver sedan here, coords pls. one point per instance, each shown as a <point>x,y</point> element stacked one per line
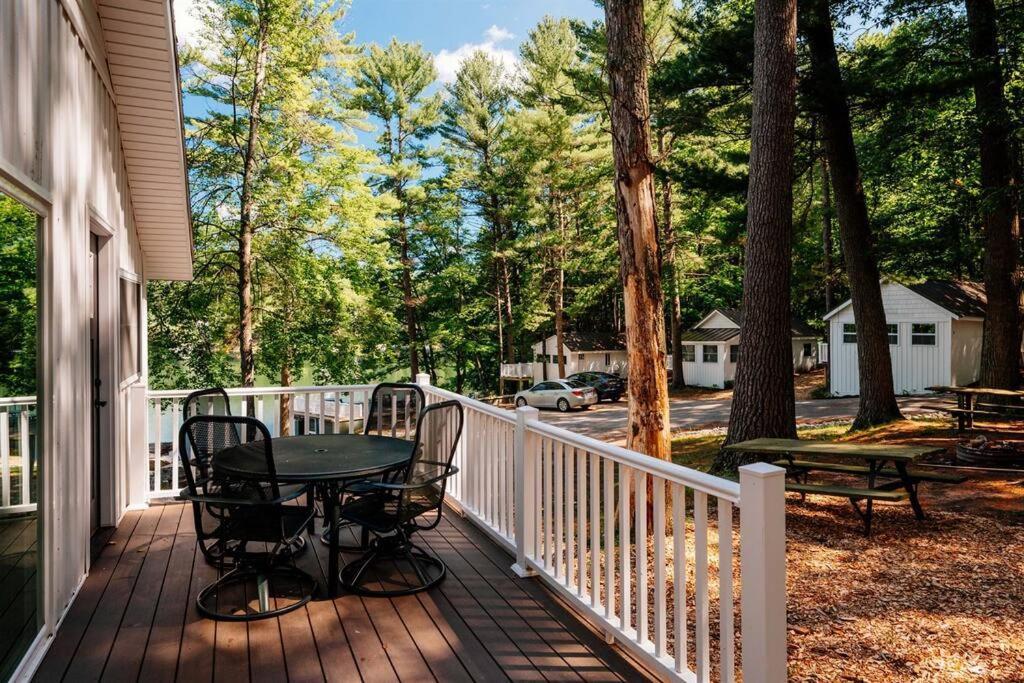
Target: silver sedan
<point>558,393</point>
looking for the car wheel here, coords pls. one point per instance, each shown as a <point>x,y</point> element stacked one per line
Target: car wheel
<point>521,402</point>
<point>615,398</point>
<point>563,405</point>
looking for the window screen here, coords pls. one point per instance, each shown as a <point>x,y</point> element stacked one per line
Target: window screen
<point>734,353</point>
<point>894,334</point>
<point>710,354</point>
<point>688,354</point>
<point>849,333</point>
<point>129,341</point>
<point>922,334</point>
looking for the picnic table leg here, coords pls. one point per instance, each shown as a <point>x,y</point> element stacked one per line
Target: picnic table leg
<point>911,487</point>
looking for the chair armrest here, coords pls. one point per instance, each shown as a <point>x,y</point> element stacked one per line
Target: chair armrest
<point>384,486</point>
<point>184,495</point>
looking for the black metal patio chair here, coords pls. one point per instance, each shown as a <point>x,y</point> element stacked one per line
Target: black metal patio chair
<point>198,456</point>
<point>394,509</point>
<point>236,515</point>
<point>393,410</point>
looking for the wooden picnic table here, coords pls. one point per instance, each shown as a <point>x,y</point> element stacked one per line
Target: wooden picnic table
<point>902,482</point>
<point>967,402</point>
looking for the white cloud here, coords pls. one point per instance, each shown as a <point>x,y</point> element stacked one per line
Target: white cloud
<point>449,61</point>
<point>186,19</point>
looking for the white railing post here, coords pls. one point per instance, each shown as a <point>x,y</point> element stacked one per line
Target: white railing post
<point>763,572</point>
<point>524,489</point>
<point>423,379</point>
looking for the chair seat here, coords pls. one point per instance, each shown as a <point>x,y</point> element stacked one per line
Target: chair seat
<point>379,511</point>
<point>267,525</point>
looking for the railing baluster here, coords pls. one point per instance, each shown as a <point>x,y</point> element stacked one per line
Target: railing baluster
<point>5,456</point>
<point>660,577</point>
<point>595,531</point>
<point>625,578</point>
<point>158,443</point>
<point>725,600</point>
<point>559,485</point>
<point>548,490</point>
<point>581,518</point>
<point>609,539</point>
<point>323,414</point>
<point>700,544</point>
<point>570,520</point>
<point>679,574</point>
<point>640,533</point>
<point>175,419</point>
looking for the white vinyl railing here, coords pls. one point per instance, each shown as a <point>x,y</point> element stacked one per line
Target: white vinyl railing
<point>314,410</point>
<point>17,456</point>
<point>611,530</point>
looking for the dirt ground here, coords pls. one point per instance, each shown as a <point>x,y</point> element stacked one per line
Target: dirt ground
<point>804,385</point>
<point>934,600</point>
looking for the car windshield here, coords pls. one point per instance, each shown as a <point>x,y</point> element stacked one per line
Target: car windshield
<point>576,385</point>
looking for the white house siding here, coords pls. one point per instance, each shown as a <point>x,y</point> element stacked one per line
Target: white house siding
<point>966,351</point>
<point>701,374</point>
<point>60,150</point>
<point>914,367</point>
<point>715,320</point>
<point>803,363</point>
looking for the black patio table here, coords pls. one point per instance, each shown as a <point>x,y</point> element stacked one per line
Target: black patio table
<point>323,460</point>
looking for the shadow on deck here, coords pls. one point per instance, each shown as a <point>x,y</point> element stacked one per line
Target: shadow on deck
<point>135,619</point>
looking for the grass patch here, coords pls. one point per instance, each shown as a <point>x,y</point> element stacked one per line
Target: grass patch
<point>699,451</point>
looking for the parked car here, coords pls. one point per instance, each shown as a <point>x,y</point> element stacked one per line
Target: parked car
<point>558,393</point>
<point>608,386</point>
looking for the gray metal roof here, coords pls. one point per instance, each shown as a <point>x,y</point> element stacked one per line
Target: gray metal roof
<point>799,327</point>
<point>710,334</point>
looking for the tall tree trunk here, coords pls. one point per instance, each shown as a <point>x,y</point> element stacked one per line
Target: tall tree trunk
<point>763,403</point>
<point>877,398</point>
<point>669,271</point>
<point>648,428</point>
<point>560,289</point>
<point>1000,349</point>
<point>826,237</point>
<point>246,356</point>
<point>286,401</point>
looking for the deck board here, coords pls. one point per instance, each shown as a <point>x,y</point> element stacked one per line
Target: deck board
<point>135,619</point>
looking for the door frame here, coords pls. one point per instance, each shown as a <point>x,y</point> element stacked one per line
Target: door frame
<point>106,296</point>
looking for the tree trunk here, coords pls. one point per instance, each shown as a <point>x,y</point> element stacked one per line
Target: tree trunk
<point>877,398</point>
<point>763,403</point>
<point>826,237</point>
<point>669,271</point>
<point>286,401</point>
<point>560,290</point>
<point>246,356</point>
<point>1000,349</point>
<point>648,428</point>
<point>544,364</point>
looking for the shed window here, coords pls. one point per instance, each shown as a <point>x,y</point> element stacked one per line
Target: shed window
<point>688,354</point>
<point>734,353</point>
<point>579,357</point>
<point>808,351</point>
<point>894,334</point>
<point>922,334</point>
<point>710,353</point>
<point>607,359</point>
<point>849,333</point>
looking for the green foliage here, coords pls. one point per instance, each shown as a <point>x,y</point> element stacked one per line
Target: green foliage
<point>18,308</point>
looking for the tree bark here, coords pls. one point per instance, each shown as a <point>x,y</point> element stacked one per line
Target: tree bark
<point>1000,349</point>
<point>246,355</point>
<point>669,270</point>
<point>826,237</point>
<point>648,427</point>
<point>877,397</point>
<point>560,289</point>
<point>763,404</point>
<point>286,401</point>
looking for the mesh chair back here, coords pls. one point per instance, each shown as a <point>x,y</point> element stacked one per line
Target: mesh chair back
<point>203,436</point>
<point>212,401</point>
<point>437,436</point>
<point>394,409</point>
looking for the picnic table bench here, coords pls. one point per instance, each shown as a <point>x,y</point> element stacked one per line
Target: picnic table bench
<point>886,461</point>
<point>968,407</point>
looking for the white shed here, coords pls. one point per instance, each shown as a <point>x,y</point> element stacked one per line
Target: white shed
<point>603,351</point>
<point>935,330</point>
<point>711,348</point>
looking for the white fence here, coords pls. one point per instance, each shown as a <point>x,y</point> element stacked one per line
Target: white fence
<point>611,529</point>
<point>314,410</point>
<point>17,455</point>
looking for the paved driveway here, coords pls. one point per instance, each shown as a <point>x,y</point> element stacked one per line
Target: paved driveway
<point>605,418</point>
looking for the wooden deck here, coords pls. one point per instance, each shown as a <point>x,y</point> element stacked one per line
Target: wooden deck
<point>135,619</point>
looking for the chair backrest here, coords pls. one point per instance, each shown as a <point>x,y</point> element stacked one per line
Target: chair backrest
<point>394,409</point>
<point>201,437</point>
<point>437,436</point>
<point>212,401</point>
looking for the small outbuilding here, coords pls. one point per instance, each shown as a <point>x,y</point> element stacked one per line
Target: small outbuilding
<point>598,350</point>
<point>935,332</point>
<point>711,348</point>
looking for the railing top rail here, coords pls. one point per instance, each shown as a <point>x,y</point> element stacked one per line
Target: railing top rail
<point>686,476</point>
<point>17,400</point>
<point>493,411</point>
<point>266,391</point>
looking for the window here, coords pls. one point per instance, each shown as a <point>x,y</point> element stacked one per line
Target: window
<point>687,354</point>
<point>710,353</point>
<point>849,333</point>
<point>734,353</point>
<point>129,338</point>
<point>922,334</point>
<point>607,359</point>
<point>808,351</point>
<point>579,357</point>
<point>894,334</point>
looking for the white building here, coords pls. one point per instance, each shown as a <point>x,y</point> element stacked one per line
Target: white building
<point>91,143</point>
<point>935,331</point>
<point>711,348</point>
<point>603,351</point>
